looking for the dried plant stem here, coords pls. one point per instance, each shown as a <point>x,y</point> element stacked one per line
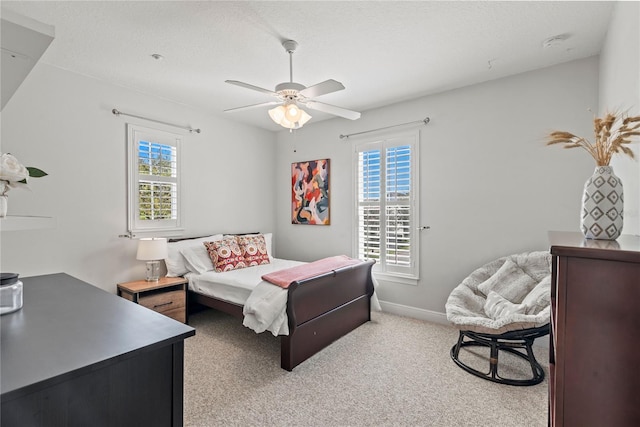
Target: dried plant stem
<point>612,133</point>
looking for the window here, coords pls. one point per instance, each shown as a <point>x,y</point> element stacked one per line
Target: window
<point>387,205</point>
<point>154,180</point>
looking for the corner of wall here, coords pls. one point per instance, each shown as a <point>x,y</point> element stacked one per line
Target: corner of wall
<point>619,88</point>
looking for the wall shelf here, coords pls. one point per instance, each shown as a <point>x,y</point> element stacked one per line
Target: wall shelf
<point>17,223</point>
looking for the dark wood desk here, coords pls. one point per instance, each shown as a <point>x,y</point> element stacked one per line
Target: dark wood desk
<point>77,355</point>
<point>594,369</point>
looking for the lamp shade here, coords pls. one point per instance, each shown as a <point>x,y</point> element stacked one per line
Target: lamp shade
<point>277,114</point>
<point>151,249</point>
<point>304,118</point>
<point>281,115</point>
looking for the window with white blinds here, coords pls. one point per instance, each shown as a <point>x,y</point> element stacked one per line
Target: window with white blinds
<point>387,204</point>
<point>154,180</point>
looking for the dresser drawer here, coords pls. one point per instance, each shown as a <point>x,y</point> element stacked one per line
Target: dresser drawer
<point>164,301</point>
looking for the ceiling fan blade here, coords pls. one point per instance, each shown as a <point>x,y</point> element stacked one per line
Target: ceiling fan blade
<point>248,86</point>
<point>246,107</point>
<point>323,88</point>
<point>332,109</point>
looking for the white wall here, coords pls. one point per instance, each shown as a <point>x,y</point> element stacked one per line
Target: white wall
<point>62,123</point>
<point>620,89</point>
<point>489,186</point>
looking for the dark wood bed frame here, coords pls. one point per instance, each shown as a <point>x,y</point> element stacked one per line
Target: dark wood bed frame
<point>320,310</point>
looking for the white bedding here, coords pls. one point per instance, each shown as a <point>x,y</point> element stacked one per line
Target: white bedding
<point>265,309</point>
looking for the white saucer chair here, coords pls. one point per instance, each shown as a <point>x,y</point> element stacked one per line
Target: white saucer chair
<point>503,305</point>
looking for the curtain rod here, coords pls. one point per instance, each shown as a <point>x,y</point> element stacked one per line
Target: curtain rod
<point>119,113</point>
<point>425,121</point>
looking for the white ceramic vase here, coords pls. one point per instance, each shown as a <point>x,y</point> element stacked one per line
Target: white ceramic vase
<point>602,205</point>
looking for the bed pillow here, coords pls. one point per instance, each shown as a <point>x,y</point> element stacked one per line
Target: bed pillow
<point>496,306</point>
<point>510,281</point>
<point>225,254</point>
<point>268,237</point>
<point>254,249</point>
<point>197,258</point>
<point>175,261</point>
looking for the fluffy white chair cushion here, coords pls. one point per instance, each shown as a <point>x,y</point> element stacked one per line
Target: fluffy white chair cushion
<point>539,297</point>
<point>497,306</point>
<point>465,306</point>
<point>510,282</point>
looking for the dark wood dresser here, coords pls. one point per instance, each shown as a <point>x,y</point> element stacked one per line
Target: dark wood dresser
<point>75,355</point>
<point>595,335</point>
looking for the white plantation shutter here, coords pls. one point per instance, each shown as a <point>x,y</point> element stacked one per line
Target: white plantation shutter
<point>154,175</point>
<point>386,204</point>
<point>157,181</point>
<point>369,190</point>
<point>398,207</point>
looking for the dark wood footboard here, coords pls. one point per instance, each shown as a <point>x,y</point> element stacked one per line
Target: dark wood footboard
<point>324,308</point>
<point>320,310</point>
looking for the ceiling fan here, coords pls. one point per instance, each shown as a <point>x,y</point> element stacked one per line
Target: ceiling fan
<point>291,96</point>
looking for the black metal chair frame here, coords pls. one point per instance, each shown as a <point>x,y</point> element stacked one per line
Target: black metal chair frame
<point>510,342</point>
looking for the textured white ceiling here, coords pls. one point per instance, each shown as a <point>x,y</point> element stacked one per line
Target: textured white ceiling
<point>383,52</point>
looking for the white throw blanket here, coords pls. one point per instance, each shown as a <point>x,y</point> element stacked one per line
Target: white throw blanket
<point>265,309</point>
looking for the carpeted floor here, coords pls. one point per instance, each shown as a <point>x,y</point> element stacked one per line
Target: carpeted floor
<point>392,371</point>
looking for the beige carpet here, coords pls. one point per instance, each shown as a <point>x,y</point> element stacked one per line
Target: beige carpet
<point>392,371</point>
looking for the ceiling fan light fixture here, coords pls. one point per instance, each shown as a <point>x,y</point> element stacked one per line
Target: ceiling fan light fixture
<point>304,118</point>
<point>280,116</point>
<point>292,112</point>
<point>289,114</point>
<point>277,114</point>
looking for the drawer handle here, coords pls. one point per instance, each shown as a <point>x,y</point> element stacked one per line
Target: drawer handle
<point>162,305</point>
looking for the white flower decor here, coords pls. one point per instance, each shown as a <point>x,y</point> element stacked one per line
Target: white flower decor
<point>15,174</point>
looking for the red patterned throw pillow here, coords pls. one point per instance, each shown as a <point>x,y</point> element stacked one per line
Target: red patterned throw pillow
<point>254,249</point>
<point>226,255</point>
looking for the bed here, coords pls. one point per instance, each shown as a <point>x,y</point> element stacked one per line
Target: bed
<point>319,309</point>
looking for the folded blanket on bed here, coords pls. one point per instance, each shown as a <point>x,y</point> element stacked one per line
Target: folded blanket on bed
<point>284,278</point>
<point>265,309</point>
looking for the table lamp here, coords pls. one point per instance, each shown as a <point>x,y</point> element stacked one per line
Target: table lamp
<point>152,250</point>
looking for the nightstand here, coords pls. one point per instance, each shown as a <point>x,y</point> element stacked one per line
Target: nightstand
<point>167,296</point>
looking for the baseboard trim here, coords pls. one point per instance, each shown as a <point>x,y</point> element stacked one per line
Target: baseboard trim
<point>435,317</point>
<point>413,312</point>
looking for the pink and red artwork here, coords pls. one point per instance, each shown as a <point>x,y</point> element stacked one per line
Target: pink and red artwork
<point>310,192</point>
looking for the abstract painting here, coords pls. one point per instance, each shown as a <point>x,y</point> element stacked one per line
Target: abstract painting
<point>310,192</point>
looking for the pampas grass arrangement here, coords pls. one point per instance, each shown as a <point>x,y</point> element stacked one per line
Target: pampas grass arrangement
<point>613,133</point>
